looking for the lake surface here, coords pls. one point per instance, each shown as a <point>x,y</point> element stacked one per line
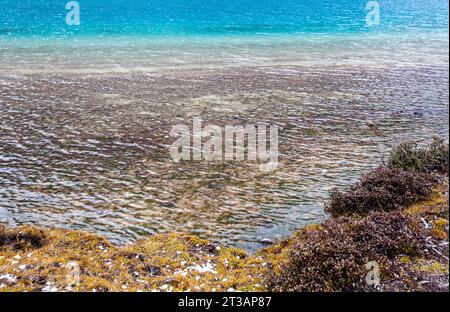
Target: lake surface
<point>86,111</point>
<point>29,18</point>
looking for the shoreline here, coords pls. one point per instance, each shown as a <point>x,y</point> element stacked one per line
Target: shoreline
<point>33,259</point>
<point>159,55</point>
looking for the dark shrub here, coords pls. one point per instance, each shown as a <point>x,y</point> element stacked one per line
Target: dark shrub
<point>383,189</point>
<point>22,238</point>
<point>334,257</point>
<point>409,156</point>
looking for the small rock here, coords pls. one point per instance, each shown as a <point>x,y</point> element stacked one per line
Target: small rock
<point>370,124</point>
<point>164,287</point>
<point>8,278</point>
<point>266,241</point>
<point>49,288</point>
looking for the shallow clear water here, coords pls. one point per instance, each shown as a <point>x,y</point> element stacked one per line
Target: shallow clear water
<point>85,113</point>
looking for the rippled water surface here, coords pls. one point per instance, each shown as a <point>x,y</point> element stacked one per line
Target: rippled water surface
<point>85,119</point>
<point>91,152</point>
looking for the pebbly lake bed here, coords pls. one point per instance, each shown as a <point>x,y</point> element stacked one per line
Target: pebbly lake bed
<point>91,151</point>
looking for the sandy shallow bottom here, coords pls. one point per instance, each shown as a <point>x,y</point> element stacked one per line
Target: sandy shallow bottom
<point>91,152</point>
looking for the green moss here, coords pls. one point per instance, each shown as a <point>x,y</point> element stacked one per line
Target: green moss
<point>432,267</point>
<point>405,259</point>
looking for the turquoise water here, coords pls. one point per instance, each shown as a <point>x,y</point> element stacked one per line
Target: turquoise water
<point>150,35</point>
<point>28,18</point>
<point>138,35</point>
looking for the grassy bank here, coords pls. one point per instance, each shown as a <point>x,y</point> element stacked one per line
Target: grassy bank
<point>393,218</point>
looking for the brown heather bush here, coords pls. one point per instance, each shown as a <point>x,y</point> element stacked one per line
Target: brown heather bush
<point>383,189</point>
<point>22,238</point>
<point>410,156</point>
<point>334,257</point>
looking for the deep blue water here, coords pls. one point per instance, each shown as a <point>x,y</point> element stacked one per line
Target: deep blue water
<point>24,18</point>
